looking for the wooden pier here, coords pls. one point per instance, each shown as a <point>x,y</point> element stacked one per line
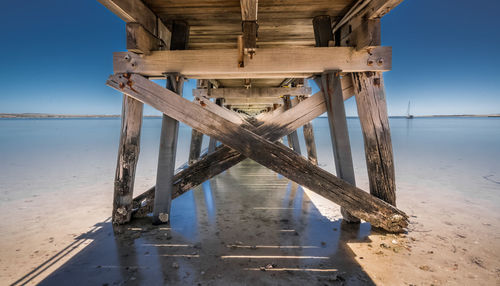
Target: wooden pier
<point>252,61</point>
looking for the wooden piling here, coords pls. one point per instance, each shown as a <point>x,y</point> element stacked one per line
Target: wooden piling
<point>195,148</point>
<point>168,139</point>
<point>293,138</point>
<point>372,112</point>
<point>330,84</point>
<point>128,155</point>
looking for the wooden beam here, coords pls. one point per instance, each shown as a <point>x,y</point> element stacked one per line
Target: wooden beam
<point>249,10</point>
<point>308,131</point>
<point>372,112</point>
<point>136,11</point>
<point>322,30</point>
<point>141,41</point>
<point>128,155</point>
<point>275,124</point>
<point>271,125</point>
<point>180,36</point>
<point>254,92</point>
<point>339,133</point>
<point>292,138</point>
<point>332,87</point>
<point>269,63</point>
<point>166,159</point>
<point>268,101</point>
<point>274,156</point>
<point>195,147</point>
<point>169,134</point>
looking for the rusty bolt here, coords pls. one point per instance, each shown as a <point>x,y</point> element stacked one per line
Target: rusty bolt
<point>122,85</point>
<point>380,61</point>
<point>202,103</point>
<point>126,75</point>
<point>370,62</point>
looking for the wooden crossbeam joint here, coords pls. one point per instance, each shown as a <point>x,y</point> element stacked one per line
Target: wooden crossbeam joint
<point>274,156</point>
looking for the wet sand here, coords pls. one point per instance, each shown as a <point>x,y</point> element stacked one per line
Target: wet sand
<point>228,229</point>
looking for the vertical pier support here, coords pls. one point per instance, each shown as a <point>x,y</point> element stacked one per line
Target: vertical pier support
<point>128,155</point>
<point>308,131</point>
<point>332,89</point>
<point>196,140</point>
<point>293,138</point>
<point>212,144</point>
<point>195,148</point>
<point>168,139</point>
<point>372,112</point>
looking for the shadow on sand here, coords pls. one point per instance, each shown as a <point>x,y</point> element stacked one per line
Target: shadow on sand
<point>247,226</point>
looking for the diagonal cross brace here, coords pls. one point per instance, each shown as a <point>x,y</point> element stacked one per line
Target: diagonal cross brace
<point>276,157</point>
<point>274,124</point>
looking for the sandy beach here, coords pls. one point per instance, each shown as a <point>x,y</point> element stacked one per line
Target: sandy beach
<point>453,237</point>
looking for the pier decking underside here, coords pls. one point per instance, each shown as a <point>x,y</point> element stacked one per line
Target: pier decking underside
<point>222,233</point>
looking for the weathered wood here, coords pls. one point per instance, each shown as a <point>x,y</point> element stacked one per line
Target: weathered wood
<point>366,33</point>
<point>249,10</point>
<point>308,131</point>
<point>253,101</point>
<point>169,134</point>
<point>140,40</point>
<point>136,11</point>
<point>166,159</point>
<point>249,30</point>
<point>372,112</point>
<point>212,144</point>
<point>339,133</point>
<point>274,156</point>
<point>180,37</point>
<point>274,125</point>
<point>195,147</point>
<point>292,138</point>
<point>254,92</point>
<point>268,63</point>
<point>128,155</point>
<point>322,30</point>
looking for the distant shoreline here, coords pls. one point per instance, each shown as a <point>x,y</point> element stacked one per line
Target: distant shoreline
<point>62,116</point>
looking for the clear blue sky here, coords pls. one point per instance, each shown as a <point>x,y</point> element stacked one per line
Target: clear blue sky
<point>56,56</point>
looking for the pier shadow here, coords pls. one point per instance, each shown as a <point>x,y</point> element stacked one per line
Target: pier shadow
<point>246,226</point>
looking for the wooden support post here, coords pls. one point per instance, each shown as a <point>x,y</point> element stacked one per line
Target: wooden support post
<point>128,155</point>
<point>166,159</point>
<point>308,131</point>
<point>273,156</point>
<point>249,25</point>
<point>196,136</point>
<point>168,139</point>
<point>372,112</point>
<point>195,148</point>
<point>293,138</point>
<point>331,86</point>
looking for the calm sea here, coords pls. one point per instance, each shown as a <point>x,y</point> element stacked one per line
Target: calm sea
<point>455,156</point>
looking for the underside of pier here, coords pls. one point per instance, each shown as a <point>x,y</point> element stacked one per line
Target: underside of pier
<point>253,61</point>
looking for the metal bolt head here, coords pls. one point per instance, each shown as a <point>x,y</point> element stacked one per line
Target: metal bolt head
<point>380,61</point>
<point>127,57</point>
<point>370,62</point>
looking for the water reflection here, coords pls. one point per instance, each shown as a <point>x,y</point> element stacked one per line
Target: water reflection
<point>221,233</point>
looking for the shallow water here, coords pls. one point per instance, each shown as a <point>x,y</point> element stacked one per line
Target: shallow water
<point>458,155</point>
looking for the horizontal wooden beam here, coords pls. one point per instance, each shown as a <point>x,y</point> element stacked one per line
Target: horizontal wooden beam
<point>141,41</point>
<point>136,11</point>
<point>256,92</point>
<point>276,157</point>
<point>259,101</point>
<point>267,63</point>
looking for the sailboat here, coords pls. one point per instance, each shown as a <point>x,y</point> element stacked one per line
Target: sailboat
<point>408,115</point>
